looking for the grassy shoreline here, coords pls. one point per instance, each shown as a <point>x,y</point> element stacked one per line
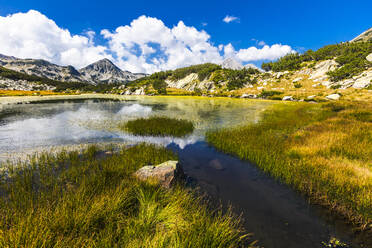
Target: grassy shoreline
<point>74,200</point>
<point>322,150</point>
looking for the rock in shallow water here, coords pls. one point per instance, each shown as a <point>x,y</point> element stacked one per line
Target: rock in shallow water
<point>166,173</point>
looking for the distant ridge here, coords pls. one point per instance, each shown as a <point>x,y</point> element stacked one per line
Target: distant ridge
<point>102,71</point>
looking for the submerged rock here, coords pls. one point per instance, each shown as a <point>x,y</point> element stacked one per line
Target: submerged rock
<point>216,164</point>
<point>166,173</point>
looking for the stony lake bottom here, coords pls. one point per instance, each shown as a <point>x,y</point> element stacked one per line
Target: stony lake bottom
<point>276,215</point>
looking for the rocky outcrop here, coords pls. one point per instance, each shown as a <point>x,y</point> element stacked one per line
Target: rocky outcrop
<point>167,173</point>
<point>363,80</point>
<point>187,82</point>
<point>320,70</point>
<point>280,74</point>
<point>191,82</point>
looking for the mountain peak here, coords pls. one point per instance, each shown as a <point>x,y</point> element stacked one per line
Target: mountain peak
<point>231,63</point>
<point>105,70</point>
<point>105,61</point>
<point>105,64</point>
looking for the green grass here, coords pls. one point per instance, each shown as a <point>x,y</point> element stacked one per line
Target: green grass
<point>74,200</point>
<point>323,150</point>
<point>159,126</point>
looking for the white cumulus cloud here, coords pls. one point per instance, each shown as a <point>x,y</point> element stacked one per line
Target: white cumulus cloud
<point>148,45</point>
<point>229,19</point>
<point>144,45</point>
<point>256,54</point>
<point>33,35</point>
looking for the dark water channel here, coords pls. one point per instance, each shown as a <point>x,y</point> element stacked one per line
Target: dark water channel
<point>278,216</point>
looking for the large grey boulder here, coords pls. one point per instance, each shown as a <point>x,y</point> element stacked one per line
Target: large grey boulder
<point>333,96</point>
<point>166,173</point>
<point>287,98</point>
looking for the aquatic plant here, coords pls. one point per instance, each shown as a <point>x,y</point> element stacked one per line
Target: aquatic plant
<point>323,150</point>
<point>159,126</point>
<point>92,200</point>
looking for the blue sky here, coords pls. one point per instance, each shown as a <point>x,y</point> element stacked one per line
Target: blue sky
<point>299,24</point>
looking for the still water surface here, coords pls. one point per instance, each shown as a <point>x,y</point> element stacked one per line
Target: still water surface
<point>278,216</point>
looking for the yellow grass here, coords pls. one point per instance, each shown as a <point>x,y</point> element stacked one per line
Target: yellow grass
<point>323,150</point>
<point>29,93</point>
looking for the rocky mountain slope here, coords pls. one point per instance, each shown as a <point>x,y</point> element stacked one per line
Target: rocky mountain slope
<point>342,70</point>
<point>365,36</point>
<point>103,71</point>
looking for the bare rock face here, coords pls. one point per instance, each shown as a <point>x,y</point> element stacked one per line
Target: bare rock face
<point>166,173</point>
<point>320,71</point>
<point>364,80</point>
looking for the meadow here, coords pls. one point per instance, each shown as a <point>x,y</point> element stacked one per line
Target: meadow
<point>91,199</point>
<point>159,126</point>
<point>28,93</point>
<point>322,150</point>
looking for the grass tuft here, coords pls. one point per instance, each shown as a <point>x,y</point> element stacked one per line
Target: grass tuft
<point>159,126</point>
